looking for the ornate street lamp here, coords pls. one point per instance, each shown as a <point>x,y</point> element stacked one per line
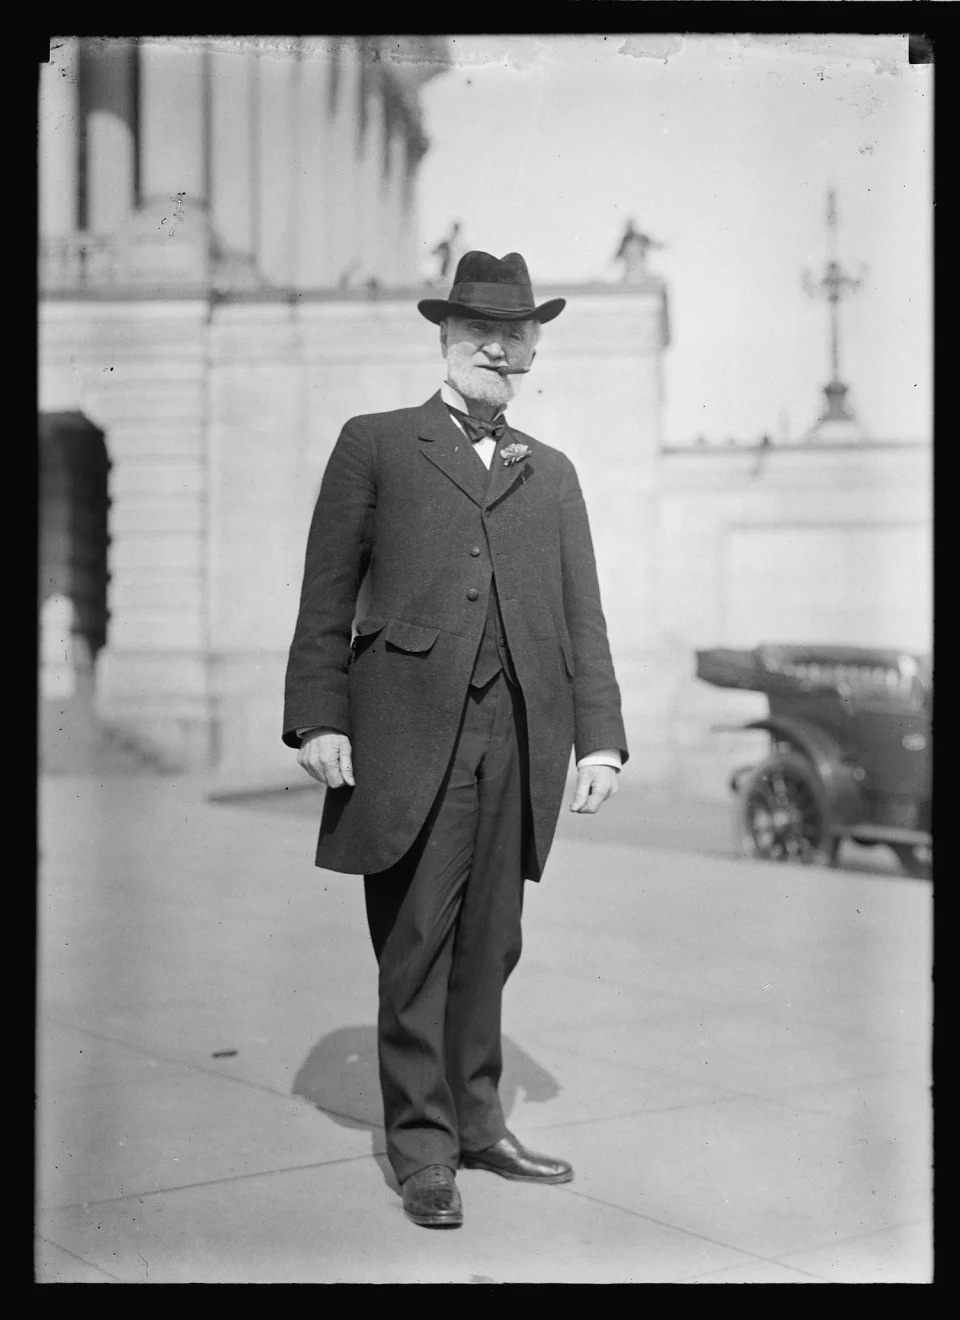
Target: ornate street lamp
<point>834,285</point>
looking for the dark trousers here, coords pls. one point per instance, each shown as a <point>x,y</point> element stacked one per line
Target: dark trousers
<point>445,924</point>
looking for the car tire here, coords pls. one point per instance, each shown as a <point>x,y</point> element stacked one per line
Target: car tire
<point>781,813</point>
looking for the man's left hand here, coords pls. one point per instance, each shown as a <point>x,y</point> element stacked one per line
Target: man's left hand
<point>595,783</point>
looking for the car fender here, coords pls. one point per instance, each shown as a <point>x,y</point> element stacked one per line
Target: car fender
<point>843,798</point>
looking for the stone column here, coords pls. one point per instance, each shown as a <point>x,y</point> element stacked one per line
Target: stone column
<point>344,213</point>
<point>232,92</point>
<point>388,227</point>
<point>372,194</point>
<point>393,229</point>
<point>108,81</point>
<point>277,150</point>
<point>172,123</point>
<point>410,217</point>
<point>317,193</point>
<point>59,130</point>
<point>328,220</point>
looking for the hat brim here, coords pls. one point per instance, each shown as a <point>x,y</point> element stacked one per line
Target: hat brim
<point>437,310</point>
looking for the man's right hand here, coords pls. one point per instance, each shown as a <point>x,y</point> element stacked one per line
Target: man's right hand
<point>327,757</point>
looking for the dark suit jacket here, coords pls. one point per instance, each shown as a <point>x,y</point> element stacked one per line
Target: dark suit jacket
<point>405,501</point>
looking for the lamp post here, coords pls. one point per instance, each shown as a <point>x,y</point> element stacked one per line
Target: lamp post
<point>833,286</point>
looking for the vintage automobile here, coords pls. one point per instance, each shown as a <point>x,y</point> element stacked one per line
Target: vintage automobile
<point>850,751</point>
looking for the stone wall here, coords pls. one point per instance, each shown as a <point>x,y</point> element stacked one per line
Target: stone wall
<point>138,371</point>
<point>218,420</point>
<point>800,544</point>
<point>284,379</point>
<point>219,417</point>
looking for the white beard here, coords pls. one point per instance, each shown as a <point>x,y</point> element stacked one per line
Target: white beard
<point>478,383</point>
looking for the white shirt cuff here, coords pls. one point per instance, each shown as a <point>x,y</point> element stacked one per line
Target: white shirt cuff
<point>608,756</point>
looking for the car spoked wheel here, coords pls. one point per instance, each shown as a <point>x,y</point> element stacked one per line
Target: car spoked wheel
<point>780,814</point>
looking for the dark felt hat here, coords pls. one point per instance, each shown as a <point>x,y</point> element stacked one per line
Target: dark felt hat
<point>495,288</point>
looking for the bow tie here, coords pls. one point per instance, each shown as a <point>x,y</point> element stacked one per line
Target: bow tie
<point>478,429</point>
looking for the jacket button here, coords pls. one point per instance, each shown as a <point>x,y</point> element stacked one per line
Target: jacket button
<point>473,594</point>
<point>475,551</point>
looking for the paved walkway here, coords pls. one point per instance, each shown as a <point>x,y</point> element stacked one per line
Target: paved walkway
<point>733,1055</point>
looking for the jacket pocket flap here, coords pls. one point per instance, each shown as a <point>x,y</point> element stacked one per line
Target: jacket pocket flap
<point>367,626</point>
<point>410,636</point>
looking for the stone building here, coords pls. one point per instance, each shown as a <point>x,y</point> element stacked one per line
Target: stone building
<point>281,164</point>
<point>174,177</point>
<point>229,270</point>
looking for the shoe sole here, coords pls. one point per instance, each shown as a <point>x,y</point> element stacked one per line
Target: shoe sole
<point>552,1178</point>
<point>435,1221</point>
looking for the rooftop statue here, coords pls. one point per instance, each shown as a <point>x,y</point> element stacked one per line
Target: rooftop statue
<point>632,252</point>
<point>448,253</point>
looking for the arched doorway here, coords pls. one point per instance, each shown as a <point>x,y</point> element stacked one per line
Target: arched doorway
<point>72,585</point>
<point>73,520</point>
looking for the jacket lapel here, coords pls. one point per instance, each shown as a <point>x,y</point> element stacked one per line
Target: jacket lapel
<point>504,477</point>
<point>450,450</point>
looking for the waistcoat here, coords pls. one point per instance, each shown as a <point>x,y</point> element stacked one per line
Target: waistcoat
<point>494,654</point>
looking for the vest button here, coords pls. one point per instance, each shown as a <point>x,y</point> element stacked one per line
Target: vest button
<point>473,594</point>
<point>475,551</point>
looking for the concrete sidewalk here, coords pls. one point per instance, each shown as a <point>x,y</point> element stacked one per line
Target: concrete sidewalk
<point>735,1057</point>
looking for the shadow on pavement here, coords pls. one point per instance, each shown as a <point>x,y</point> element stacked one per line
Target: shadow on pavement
<point>340,1077</point>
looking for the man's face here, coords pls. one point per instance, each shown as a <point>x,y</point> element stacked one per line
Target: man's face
<point>478,350</point>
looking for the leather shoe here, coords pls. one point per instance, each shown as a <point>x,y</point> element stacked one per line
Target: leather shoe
<point>512,1160</point>
<point>431,1198</point>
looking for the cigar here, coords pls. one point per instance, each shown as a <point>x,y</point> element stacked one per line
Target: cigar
<point>512,371</point>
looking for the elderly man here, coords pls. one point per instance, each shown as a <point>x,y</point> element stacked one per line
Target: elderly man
<point>442,720</point>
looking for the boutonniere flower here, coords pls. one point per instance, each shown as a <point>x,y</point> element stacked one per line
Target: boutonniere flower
<point>514,453</point>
